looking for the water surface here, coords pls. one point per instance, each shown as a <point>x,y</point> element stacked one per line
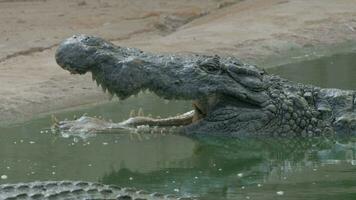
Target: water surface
<point>337,71</point>
<point>213,168</point>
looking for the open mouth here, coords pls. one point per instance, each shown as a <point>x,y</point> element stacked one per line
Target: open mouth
<point>199,111</point>
<point>194,116</point>
<point>84,125</point>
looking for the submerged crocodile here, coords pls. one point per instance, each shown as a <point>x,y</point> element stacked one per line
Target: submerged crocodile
<point>230,98</point>
<point>77,190</point>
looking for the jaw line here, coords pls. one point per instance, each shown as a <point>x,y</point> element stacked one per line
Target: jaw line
<point>187,118</point>
<point>180,120</point>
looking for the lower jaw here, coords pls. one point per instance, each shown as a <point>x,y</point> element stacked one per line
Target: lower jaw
<point>185,119</point>
<point>180,120</point>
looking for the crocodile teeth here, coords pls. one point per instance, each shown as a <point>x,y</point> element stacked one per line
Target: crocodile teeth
<point>55,121</point>
<point>140,112</point>
<point>132,113</point>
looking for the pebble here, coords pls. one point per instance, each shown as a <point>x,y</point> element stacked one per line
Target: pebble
<point>3,177</point>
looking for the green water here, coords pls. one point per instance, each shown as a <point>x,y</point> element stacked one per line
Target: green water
<point>318,168</point>
<point>337,71</point>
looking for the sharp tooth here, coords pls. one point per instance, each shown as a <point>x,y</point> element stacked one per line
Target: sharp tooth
<point>132,113</point>
<point>55,121</point>
<point>140,112</point>
<point>154,131</point>
<point>162,132</point>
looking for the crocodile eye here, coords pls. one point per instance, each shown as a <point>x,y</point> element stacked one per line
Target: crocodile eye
<point>211,65</point>
<point>210,68</point>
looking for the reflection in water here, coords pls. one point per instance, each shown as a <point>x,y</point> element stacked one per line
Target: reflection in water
<point>213,168</point>
<point>255,168</point>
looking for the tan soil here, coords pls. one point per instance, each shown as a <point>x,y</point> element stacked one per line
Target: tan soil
<point>260,31</point>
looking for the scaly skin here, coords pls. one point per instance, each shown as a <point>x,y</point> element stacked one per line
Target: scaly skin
<point>229,98</point>
<point>77,190</point>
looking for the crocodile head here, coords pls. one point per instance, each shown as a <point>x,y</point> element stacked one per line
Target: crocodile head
<point>228,96</point>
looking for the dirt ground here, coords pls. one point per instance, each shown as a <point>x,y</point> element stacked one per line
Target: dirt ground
<point>265,32</point>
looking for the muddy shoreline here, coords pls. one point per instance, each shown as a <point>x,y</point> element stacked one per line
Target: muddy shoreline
<point>263,32</point>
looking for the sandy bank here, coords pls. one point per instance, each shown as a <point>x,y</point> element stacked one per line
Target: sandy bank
<point>260,31</point>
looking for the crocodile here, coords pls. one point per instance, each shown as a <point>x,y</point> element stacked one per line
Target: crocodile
<point>77,190</point>
<point>230,98</point>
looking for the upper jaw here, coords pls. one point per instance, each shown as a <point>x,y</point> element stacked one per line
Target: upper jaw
<point>171,77</point>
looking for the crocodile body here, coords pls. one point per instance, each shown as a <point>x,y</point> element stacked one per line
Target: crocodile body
<point>230,98</point>
<point>76,190</point>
